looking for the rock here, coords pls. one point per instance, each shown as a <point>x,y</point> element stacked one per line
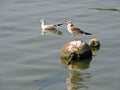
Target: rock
<point>76,50</point>
<point>94,43</point>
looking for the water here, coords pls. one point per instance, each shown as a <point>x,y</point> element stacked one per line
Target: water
<point>29,61</point>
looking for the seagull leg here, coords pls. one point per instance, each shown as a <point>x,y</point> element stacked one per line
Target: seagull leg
<point>74,36</point>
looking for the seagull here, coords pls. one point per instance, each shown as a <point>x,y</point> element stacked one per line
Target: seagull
<point>75,30</point>
<point>49,27</point>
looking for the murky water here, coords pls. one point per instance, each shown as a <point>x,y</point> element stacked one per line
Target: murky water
<point>29,61</point>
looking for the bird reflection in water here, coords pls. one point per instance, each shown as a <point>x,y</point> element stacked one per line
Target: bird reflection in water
<point>46,32</point>
<point>77,76</point>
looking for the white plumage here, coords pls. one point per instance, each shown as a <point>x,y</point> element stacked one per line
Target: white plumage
<point>49,27</point>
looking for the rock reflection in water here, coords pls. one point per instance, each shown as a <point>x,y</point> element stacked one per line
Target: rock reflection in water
<point>76,64</point>
<point>77,79</point>
<point>95,51</point>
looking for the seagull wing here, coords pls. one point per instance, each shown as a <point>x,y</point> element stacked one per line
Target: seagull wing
<point>78,30</point>
<point>50,27</point>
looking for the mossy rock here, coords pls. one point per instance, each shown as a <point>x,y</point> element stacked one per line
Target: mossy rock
<point>76,50</point>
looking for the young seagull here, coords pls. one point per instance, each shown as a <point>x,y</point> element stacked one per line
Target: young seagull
<point>75,30</point>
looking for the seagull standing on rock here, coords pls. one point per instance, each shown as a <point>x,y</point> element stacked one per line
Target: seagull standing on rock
<point>75,30</point>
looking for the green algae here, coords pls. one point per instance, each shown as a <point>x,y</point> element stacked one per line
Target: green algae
<point>107,9</point>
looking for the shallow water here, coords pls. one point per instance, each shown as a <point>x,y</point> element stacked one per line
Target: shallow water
<point>29,61</point>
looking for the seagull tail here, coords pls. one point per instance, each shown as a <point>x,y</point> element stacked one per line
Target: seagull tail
<point>86,33</point>
<point>60,24</point>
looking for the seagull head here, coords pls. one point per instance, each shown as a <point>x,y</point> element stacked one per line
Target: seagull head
<point>42,20</point>
<point>69,23</point>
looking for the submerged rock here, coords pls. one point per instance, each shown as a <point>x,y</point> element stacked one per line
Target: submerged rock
<point>94,43</point>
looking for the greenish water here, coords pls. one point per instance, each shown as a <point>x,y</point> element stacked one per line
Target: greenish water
<point>29,61</point>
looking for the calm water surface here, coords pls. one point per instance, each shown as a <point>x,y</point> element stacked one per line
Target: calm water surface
<point>29,61</point>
